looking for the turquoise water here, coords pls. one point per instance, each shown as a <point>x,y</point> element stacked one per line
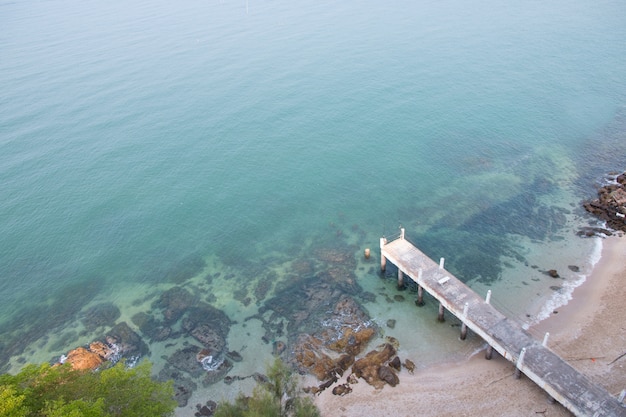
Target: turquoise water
<point>149,144</point>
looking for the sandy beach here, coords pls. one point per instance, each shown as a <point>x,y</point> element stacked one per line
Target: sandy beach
<point>589,332</point>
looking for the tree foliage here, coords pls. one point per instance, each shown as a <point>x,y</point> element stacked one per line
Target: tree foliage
<point>59,391</point>
<point>278,397</point>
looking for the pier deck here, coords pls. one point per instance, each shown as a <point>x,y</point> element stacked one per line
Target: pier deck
<point>548,370</point>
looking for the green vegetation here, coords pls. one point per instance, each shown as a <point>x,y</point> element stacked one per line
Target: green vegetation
<point>278,397</point>
<point>59,391</point>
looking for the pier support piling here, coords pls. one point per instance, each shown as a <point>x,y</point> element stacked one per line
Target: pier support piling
<point>383,260</point>
<point>400,279</point>
<point>489,353</point>
<point>440,317</point>
<point>420,296</point>
<point>463,325</point>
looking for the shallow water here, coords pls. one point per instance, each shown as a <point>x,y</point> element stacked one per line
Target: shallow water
<point>149,145</point>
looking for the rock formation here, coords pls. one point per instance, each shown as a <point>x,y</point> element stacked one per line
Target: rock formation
<point>610,205</point>
<point>82,359</point>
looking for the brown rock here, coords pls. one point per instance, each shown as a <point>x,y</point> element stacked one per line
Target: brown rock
<point>368,366</point>
<point>352,379</point>
<point>310,357</point>
<point>396,364</point>
<point>101,349</point>
<point>345,362</point>
<point>351,340</point>
<point>82,359</point>
<point>342,390</point>
<point>387,374</point>
<point>409,365</point>
<point>203,354</point>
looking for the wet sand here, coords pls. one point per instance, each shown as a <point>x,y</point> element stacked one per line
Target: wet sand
<point>590,332</point>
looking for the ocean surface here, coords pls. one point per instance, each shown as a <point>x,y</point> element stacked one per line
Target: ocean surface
<point>219,146</point>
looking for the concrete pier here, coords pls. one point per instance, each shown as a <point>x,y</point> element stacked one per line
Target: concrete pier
<point>532,358</point>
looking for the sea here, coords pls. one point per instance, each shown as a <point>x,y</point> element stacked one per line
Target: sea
<point>217,146</point>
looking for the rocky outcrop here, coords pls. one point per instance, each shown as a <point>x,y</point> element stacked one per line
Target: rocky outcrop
<point>373,367</point>
<point>82,359</point>
<point>127,343</point>
<point>610,205</point>
<point>331,351</point>
<point>119,343</point>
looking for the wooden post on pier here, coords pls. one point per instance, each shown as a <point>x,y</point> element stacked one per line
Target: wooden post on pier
<point>463,325</point>
<point>440,317</point>
<point>520,363</point>
<point>488,297</point>
<point>400,279</point>
<point>402,233</point>
<point>441,262</point>
<point>383,260</point>
<point>545,339</point>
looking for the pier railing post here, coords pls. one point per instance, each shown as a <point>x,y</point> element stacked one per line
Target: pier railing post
<point>383,260</point>
<point>402,233</point>
<point>545,339</point>
<point>441,262</point>
<point>519,364</point>
<point>463,325</point>
<point>488,297</point>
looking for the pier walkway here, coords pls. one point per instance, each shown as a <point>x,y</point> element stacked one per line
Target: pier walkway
<point>531,357</point>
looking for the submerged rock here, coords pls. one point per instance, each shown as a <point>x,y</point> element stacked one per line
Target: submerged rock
<point>127,341</point>
<point>183,385</point>
<point>104,314</point>
<point>209,337</point>
<point>174,302</point>
<point>189,360</point>
<point>278,347</point>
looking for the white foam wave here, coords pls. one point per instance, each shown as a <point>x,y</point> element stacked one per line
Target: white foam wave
<point>564,295</point>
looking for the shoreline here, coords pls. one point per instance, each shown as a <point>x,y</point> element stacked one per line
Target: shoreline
<point>589,332</point>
